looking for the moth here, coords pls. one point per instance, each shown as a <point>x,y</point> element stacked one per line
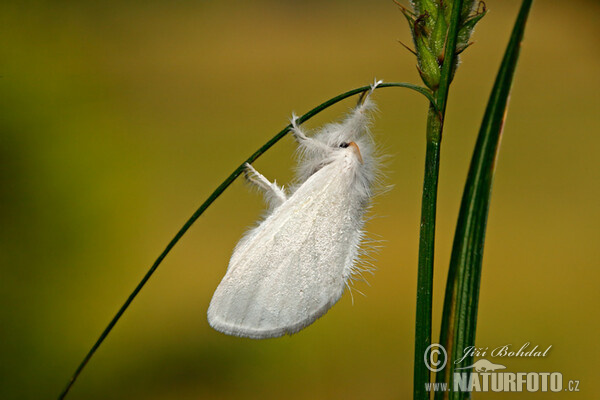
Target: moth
<point>294,265</point>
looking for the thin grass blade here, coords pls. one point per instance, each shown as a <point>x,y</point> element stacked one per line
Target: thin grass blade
<point>459,318</point>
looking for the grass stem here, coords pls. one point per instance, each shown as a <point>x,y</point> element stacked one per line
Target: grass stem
<point>435,125</point>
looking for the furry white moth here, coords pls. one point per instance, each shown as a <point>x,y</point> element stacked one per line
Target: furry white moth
<point>291,268</point>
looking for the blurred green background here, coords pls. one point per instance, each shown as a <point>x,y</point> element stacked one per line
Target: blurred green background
<point>119,118</point>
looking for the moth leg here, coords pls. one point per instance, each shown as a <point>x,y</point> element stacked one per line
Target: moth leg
<point>303,140</point>
<point>363,100</point>
<point>274,195</point>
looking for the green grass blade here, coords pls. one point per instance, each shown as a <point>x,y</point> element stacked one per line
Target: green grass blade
<point>218,191</point>
<point>435,125</point>
<point>462,290</point>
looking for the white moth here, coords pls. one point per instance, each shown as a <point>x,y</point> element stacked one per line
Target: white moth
<point>293,267</point>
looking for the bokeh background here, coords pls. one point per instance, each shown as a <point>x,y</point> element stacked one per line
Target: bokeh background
<point>119,118</point>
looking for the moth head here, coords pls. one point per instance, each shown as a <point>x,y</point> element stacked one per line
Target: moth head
<point>353,147</point>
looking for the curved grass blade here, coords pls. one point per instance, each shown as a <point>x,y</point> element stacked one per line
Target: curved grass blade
<point>459,317</point>
<point>218,191</point>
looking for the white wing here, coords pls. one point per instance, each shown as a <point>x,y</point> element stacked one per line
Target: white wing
<point>288,271</point>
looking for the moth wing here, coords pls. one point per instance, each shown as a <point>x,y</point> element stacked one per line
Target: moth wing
<point>289,270</point>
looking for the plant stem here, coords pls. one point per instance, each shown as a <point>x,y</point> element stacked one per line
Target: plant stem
<point>426,252</point>
<point>435,125</point>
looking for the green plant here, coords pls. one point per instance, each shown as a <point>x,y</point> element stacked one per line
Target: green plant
<point>459,319</point>
<point>441,31</point>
